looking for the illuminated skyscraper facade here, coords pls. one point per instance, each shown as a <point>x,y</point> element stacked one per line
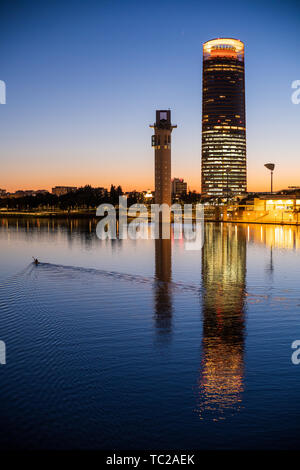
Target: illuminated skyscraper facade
<point>224,166</point>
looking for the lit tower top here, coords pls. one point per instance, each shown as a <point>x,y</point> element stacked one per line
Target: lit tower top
<point>223,47</point>
<point>161,141</point>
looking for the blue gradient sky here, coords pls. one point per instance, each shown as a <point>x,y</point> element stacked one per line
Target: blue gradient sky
<point>84,79</point>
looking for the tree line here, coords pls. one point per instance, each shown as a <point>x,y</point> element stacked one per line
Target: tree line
<point>84,198</point>
<point>87,198</point>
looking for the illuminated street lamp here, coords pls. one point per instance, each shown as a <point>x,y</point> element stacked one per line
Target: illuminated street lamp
<point>271,167</point>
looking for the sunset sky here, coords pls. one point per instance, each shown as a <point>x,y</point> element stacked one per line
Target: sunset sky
<point>84,79</point>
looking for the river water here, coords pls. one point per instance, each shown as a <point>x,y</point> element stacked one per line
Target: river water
<point>142,344</point>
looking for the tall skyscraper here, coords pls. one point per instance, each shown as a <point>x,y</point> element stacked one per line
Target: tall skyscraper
<point>161,141</point>
<point>224,166</point>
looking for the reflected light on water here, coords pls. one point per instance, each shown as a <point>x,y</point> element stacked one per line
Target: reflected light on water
<point>223,276</point>
<point>155,305</point>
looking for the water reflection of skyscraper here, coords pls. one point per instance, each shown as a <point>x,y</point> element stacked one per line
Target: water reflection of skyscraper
<point>223,276</point>
<point>163,275</point>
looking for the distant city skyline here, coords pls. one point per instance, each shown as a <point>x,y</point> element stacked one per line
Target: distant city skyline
<point>82,88</point>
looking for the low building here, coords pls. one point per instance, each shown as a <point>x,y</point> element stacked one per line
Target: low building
<point>179,187</point>
<point>270,209</point>
<point>3,192</point>
<point>62,190</point>
<point>291,190</point>
<point>42,192</point>
<point>101,190</point>
<point>23,193</point>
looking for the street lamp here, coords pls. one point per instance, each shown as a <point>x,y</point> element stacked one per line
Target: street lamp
<point>271,167</point>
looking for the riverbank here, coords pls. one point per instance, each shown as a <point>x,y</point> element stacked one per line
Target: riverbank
<point>91,214</point>
<point>49,214</point>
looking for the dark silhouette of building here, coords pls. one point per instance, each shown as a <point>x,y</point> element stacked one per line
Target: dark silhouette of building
<point>179,187</point>
<point>61,190</point>
<point>224,170</point>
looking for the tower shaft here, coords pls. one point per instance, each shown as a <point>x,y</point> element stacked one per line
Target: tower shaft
<point>161,141</point>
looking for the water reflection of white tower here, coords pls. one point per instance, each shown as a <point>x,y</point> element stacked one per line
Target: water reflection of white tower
<point>223,276</point>
<point>163,276</point>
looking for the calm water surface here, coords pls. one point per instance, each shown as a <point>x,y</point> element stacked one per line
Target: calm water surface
<point>142,344</point>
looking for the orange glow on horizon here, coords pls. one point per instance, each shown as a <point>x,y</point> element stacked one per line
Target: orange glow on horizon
<point>136,174</point>
<point>260,183</point>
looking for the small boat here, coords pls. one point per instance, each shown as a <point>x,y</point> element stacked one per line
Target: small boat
<point>35,261</point>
